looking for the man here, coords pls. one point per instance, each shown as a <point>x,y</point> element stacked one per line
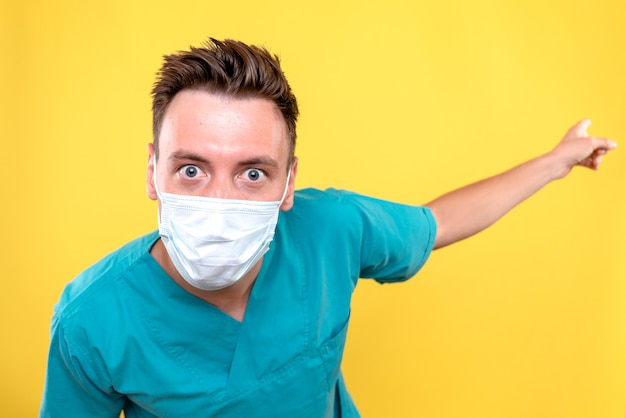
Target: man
<point>239,305</point>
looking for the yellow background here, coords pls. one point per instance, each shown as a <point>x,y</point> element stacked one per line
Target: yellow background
<point>402,100</point>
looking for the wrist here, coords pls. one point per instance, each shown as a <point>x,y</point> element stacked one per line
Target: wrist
<point>552,166</point>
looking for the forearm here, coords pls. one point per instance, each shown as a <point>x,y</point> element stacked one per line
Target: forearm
<point>470,209</point>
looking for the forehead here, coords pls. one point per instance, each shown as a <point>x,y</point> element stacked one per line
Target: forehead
<point>214,124</point>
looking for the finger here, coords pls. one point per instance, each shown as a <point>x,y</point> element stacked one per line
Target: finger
<point>593,162</point>
<point>602,144</point>
<point>587,162</point>
<point>597,161</point>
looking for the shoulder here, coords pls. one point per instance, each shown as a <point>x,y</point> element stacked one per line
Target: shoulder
<point>323,209</point>
<point>326,212</point>
<point>354,206</point>
<point>388,241</point>
<point>331,201</point>
<point>100,279</point>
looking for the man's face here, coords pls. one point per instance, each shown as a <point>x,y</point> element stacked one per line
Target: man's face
<point>221,147</point>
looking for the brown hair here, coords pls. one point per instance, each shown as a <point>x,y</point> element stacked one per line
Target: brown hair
<point>226,67</point>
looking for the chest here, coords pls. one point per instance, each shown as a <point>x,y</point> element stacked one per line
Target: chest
<point>283,359</point>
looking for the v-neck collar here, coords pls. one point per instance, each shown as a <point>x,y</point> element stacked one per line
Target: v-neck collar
<point>177,292</point>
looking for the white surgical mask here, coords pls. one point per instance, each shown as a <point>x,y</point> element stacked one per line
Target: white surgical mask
<point>214,242</point>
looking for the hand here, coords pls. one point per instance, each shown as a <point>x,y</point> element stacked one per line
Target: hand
<point>578,148</point>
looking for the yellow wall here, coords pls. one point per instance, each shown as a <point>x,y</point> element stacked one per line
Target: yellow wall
<point>400,99</point>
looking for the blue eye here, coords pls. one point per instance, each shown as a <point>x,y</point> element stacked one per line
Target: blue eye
<point>190,171</point>
<point>254,174</point>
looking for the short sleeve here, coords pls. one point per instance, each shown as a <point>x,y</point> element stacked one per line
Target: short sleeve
<point>73,388</point>
<point>397,239</point>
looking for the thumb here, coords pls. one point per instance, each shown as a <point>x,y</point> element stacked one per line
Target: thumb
<point>580,129</point>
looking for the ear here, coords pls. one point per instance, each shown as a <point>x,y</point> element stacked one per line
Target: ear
<point>288,202</point>
<point>150,174</point>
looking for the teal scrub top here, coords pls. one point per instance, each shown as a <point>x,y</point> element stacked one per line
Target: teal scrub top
<point>126,337</point>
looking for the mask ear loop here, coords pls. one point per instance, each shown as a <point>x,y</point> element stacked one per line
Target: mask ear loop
<point>154,181</point>
<point>286,186</point>
<point>156,189</point>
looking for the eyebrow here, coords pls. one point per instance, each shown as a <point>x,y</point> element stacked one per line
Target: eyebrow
<point>190,156</point>
<point>184,155</point>
<point>263,160</point>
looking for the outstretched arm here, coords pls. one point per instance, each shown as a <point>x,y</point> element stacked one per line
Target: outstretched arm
<point>470,209</point>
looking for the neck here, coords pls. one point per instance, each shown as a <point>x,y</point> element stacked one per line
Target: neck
<point>231,300</point>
